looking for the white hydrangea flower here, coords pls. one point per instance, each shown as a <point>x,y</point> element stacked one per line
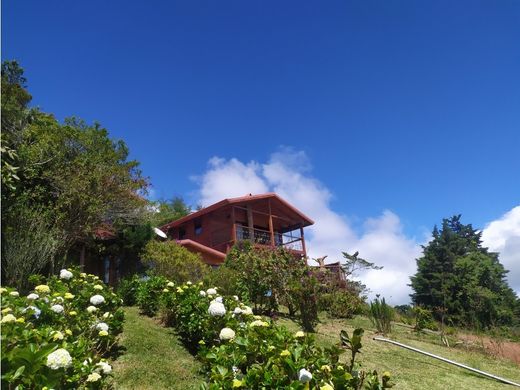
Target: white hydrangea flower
<point>189,283</point>
<point>216,309</point>
<point>37,311</point>
<point>170,284</point>
<point>97,300</point>
<point>98,287</point>
<point>102,326</point>
<point>304,376</point>
<point>237,310</point>
<point>299,334</point>
<point>258,323</point>
<point>211,291</point>
<point>8,318</point>
<point>94,377</point>
<point>32,296</point>
<point>14,294</point>
<point>235,297</point>
<point>59,359</point>
<point>104,367</point>
<point>106,315</point>
<point>227,334</point>
<point>91,309</point>
<point>202,293</point>
<point>65,274</point>
<point>57,308</point>
<point>218,299</point>
<point>247,310</point>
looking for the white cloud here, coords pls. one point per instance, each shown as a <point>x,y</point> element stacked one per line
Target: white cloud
<point>288,174</point>
<point>503,235</point>
<point>380,239</point>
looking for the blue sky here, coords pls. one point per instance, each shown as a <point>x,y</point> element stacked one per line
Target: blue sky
<point>407,106</point>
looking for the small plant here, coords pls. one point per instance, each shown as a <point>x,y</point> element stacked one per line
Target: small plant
<point>127,290</point>
<point>423,319</point>
<point>381,315</point>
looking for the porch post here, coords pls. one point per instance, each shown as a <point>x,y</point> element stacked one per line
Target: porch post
<point>271,229</point>
<point>233,225</point>
<point>250,224</point>
<point>303,243</point>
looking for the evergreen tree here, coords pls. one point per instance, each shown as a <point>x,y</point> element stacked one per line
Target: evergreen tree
<point>459,277</point>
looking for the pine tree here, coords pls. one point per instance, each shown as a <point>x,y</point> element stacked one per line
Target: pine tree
<point>459,277</point>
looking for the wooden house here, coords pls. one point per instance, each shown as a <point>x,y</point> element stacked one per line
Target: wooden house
<point>264,219</point>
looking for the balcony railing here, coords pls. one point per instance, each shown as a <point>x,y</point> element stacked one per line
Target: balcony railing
<point>263,237</point>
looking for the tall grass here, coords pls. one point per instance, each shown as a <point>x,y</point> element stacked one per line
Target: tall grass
<point>381,315</point>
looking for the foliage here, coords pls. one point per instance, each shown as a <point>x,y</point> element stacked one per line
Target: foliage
<point>33,242</point>
<point>127,289</point>
<point>423,319</point>
<point>225,279</point>
<point>267,277</point>
<point>381,315</point>
<point>239,349</point>
<point>72,171</point>
<point>341,303</point>
<point>173,261</point>
<point>148,294</point>
<point>460,278</point>
<point>165,211</point>
<point>56,317</point>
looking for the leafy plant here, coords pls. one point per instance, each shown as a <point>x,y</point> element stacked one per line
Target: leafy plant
<point>381,315</point>
<point>57,336</point>
<point>174,262</point>
<point>127,289</point>
<point>149,292</point>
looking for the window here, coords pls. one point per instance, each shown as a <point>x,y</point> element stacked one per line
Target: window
<point>182,233</point>
<point>198,227</point>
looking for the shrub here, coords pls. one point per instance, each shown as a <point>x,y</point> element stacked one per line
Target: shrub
<point>174,262</point>
<point>267,277</point>
<point>381,315</point>
<point>341,304</point>
<point>148,294</point>
<point>423,319</point>
<point>241,350</point>
<point>127,289</point>
<point>57,335</point>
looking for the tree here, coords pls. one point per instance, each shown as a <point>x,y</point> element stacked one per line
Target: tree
<point>165,211</point>
<point>73,172</point>
<point>461,279</point>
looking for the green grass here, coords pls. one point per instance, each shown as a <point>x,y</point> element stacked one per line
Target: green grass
<point>153,358</point>
<point>412,370</point>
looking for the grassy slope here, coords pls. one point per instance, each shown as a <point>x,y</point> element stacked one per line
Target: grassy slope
<point>154,358</point>
<point>412,370</point>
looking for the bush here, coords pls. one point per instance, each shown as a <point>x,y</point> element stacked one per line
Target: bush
<point>424,319</point>
<point>75,317</point>
<point>127,289</point>
<point>174,262</point>
<point>381,315</point>
<point>241,350</point>
<point>148,293</point>
<point>267,277</point>
<point>341,304</point>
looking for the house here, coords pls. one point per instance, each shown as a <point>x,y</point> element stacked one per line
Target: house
<point>264,219</point>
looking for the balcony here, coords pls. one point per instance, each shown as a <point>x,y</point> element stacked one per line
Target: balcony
<point>290,240</point>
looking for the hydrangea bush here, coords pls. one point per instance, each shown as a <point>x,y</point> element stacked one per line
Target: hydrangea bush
<point>241,350</point>
<point>57,335</point>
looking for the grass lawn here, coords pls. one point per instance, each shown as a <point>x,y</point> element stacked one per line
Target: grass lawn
<point>152,357</point>
<point>412,370</point>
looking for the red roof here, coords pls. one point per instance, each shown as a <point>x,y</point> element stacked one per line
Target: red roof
<point>248,198</point>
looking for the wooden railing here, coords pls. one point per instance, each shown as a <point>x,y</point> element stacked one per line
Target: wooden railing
<point>263,237</point>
